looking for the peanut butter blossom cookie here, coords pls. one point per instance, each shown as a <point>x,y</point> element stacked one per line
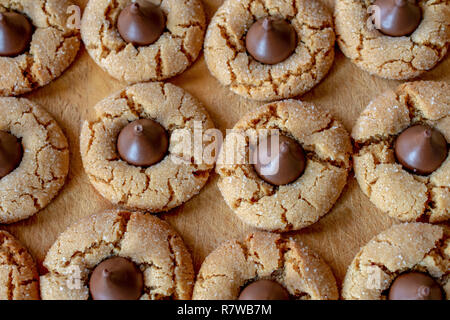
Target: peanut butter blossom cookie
<point>264,266</point>
<point>393,39</point>
<point>407,262</point>
<point>143,40</point>
<point>19,279</point>
<point>37,43</point>
<point>402,161</point>
<point>132,153</point>
<point>118,255</point>
<point>268,50</point>
<point>34,159</point>
<point>284,165</point>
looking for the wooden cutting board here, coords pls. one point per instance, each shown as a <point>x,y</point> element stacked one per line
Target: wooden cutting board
<point>205,221</point>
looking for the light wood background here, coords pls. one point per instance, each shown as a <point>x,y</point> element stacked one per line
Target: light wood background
<point>205,221</point>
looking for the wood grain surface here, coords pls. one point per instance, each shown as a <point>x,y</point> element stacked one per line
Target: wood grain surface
<point>205,221</point>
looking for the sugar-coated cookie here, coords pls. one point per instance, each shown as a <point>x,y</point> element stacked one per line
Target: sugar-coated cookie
<point>400,49</point>
<point>135,244</point>
<point>29,184</point>
<point>263,70</point>
<point>48,44</point>
<point>419,249</point>
<point>292,199</point>
<point>150,56</point>
<point>162,185</point>
<point>384,168</point>
<point>234,266</point>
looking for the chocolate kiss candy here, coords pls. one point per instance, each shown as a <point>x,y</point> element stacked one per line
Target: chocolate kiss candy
<point>141,23</point>
<point>271,40</point>
<point>264,290</point>
<point>398,17</point>
<point>421,149</point>
<point>15,34</point>
<point>116,279</point>
<point>415,286</point>
<point>143,142</point>
<point>10,153</point>
<point>284,166</point>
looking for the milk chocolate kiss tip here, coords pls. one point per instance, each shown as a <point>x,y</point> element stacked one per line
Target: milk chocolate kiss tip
<point>141,23</point>
<point>264,290</point>
<point>285,166</point>
<point>143,142</point>
<point>270,40</point>
<point>116,278</point>
<point>421,149</point>
<point>398,17</point>
<point>415,286</point>
<point>15,34</point>
<point>11,153</point>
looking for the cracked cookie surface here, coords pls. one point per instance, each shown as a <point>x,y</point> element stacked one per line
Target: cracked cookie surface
<point>19,279</point>
<point>264,255</point>
<point>176,49</point>
<point>229,62</point>
<point>303,202</point>
<point>397,58</point>
<point>45,163</point>
<point>392,189</point>
<point>53,47</point>
<point>151,243</point>
<point>160,187</point>
<point>404,247</point>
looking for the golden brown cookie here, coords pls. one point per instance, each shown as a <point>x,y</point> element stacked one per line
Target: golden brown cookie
<point>19,279</point>
<point>45,163</point>
<point>149,242</point>
<point>400,193</point>
<point>230,63</point>
<point>389,57</point>
<point>176,49</point>
<point>159,187</point>
<point>53,48</point>
<point>404,247</point>
<point>264,255</point>
<point>301,203</point>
